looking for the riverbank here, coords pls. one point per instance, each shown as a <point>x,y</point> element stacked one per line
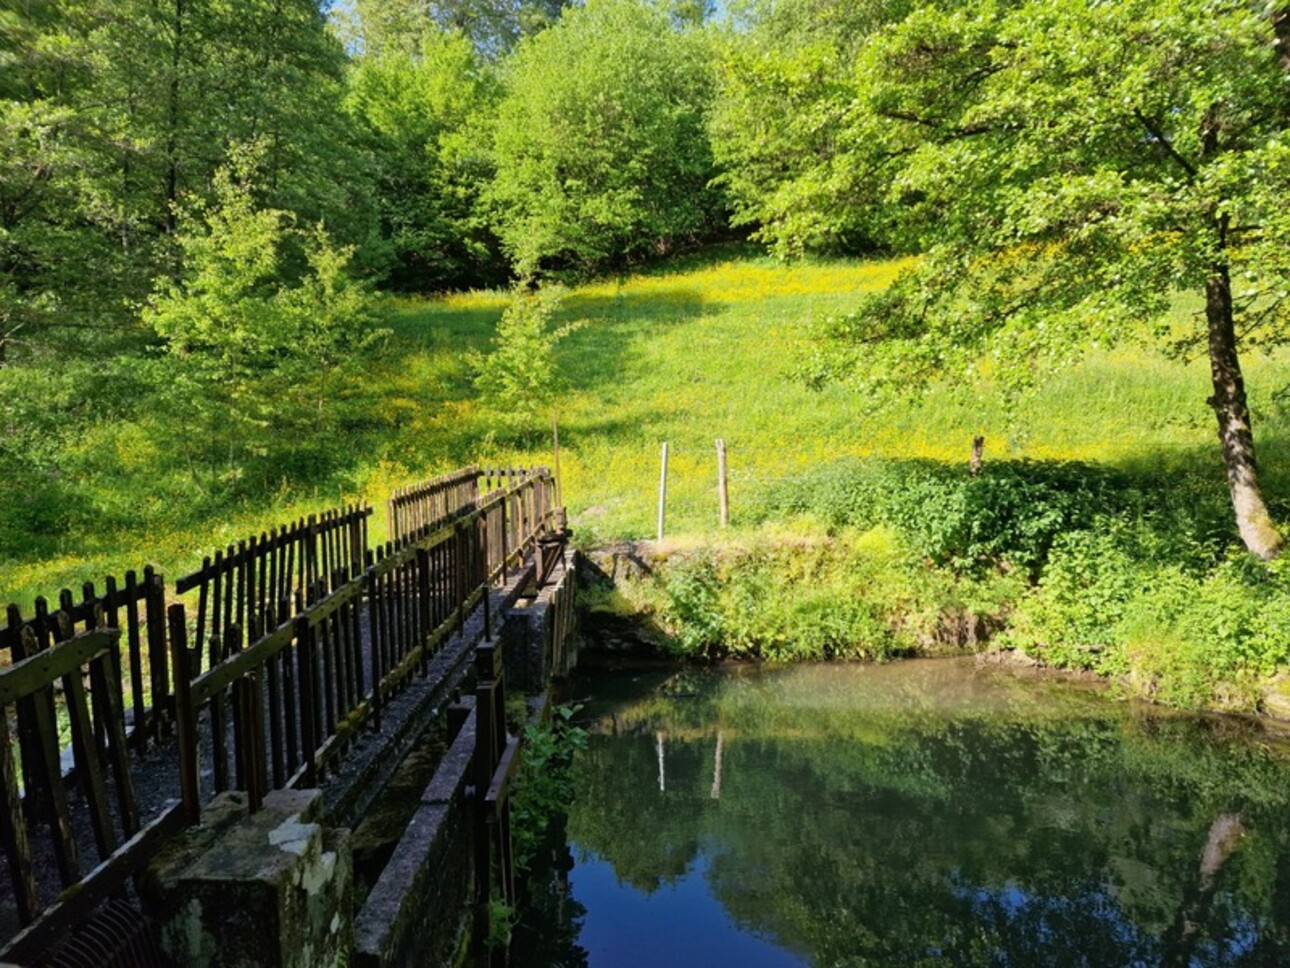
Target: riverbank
<point>864,595</point>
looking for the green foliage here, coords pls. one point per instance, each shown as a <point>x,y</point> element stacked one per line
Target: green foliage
<point>239,335</point>
<point>1065,168</point>
<point>1196,640</point>
<point>544,784</point>
<point>600,151</point>
<point>693,605</point>
<point>501,921</point>
<point>1006,517</point>
<point>518,381</point>
<point>382,27</point>
<point>422,111</point>
<point>1123,576</point>
<point>782,126</point>
<point>857,596</point>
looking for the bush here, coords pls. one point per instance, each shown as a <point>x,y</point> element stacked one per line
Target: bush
<point>1008,517</point>
<point>859,596</point>
<point>518,380</point>
<point>1193,641</point>
<point>544,782</point>
<point>258,312</point>
<point>1071,617</point>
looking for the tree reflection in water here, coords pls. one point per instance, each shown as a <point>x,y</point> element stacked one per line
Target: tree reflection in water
<point>921,813</point>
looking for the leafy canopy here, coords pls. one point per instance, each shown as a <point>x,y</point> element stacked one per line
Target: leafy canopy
<point>1067,167</point>
<point>422,113</point>
<point>782,124</point>
<point>600,147</point>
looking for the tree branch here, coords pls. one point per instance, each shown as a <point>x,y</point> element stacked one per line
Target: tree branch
<point>1161,139</point>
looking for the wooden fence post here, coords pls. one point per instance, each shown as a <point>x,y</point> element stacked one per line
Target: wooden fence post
<point>185,717</point>
<point>155,612</point>
<point>555,437</point>
<point>662,492</point>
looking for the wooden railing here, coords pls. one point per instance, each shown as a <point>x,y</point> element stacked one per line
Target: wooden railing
<point>272,573</point>
<point>310,677</point>
<point>48,690</point>
<point>287,644</point>
<point>431,503</point>
<point>135,607</point>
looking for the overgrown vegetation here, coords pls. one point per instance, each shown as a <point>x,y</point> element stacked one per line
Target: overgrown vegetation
<point>1076,565</point>
<point>544,782</point>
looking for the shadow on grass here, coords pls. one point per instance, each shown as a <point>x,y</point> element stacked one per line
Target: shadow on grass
<point>595,355</point>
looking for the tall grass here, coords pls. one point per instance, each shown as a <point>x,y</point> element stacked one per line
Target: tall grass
<point>684,353</point>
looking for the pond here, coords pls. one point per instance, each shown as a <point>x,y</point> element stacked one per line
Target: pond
<point>926,812</point>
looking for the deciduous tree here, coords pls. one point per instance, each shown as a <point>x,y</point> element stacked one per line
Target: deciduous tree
<point>1069,168</point>
<point>422,114</point>
<point>600,147</point>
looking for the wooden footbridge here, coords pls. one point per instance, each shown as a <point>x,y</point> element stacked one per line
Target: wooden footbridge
<point>301,658</point>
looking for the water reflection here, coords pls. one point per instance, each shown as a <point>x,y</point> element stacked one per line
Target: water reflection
<point>919,813</point>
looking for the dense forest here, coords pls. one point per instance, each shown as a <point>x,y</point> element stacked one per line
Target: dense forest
<point>209,207</point>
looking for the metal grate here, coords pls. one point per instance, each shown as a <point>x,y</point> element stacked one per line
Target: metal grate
<point>116,937</point>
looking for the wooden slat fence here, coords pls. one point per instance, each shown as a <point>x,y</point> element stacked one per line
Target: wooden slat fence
<point>431,503</point>
<point>503,478</point>
<point>281,709</point>
<point>68,685</point>
<point>270,656</point>
<point>139,679</point>
<point>271,574</point>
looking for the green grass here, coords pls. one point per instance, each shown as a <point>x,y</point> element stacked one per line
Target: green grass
<point>685,354</point>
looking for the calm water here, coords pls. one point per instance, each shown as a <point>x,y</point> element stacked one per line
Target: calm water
<point>919,813</point>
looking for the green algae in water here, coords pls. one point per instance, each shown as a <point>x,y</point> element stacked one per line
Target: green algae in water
<point>919,813</point>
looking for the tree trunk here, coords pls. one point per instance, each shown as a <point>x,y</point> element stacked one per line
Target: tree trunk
<point>172,121</point>
<point>1232,409</point>
<point>1180,941</point>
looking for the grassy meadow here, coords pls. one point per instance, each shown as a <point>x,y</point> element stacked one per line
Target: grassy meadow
<point>692,353</point>
<point>701,348</point>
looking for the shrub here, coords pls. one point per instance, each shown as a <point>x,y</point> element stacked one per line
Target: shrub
<point>856,596</point>
<point>1191,641</point>
<point>518,380</point>
<point>1008,517</point>
<point>1070,617</point>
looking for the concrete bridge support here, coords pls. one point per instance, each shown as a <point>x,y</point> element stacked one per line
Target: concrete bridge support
<point>276,888</point>
<point>269,888</point>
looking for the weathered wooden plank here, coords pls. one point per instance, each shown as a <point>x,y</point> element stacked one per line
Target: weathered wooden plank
<point>89,767</point>
<point>375,652</point>
<point>327,678</point>
<point>13,834</point>
<point>273,682</point>
<point>158,664</point>
<point>214,700</point>
<point>29,738</point>
<point>499,783</point>
<point>185,715</point>
<point>43,667</point>
<point>101,672</point>
<point>306,654</point>
<point>53,664</point>
<point>225,670</point>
